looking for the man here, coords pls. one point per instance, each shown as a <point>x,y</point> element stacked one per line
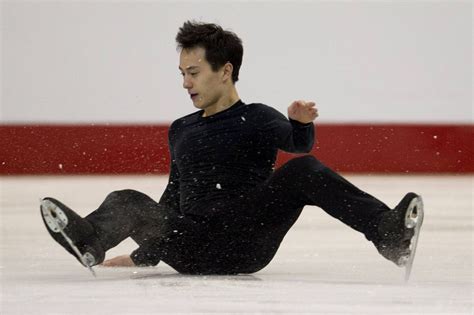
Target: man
<point>225,210</point>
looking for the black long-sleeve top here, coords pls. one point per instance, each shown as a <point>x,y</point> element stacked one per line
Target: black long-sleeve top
<point>223,155</point>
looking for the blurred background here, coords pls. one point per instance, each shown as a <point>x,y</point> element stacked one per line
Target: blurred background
<point>90,87</point>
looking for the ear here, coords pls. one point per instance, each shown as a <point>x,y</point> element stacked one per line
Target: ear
<point>227,72</point>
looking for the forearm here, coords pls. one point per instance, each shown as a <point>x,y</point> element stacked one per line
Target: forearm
<point>145,255</point>
<point>302,136</point>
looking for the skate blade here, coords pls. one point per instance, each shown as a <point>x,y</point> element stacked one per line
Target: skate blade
<point>413,220</point>
<point>56,221</point>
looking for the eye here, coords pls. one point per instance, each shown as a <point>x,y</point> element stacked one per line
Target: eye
<point>194,74</point>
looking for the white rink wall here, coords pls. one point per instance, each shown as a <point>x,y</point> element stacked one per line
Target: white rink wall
<point>362,61</point>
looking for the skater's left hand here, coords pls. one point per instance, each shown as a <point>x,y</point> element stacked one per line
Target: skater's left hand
<point>302,111</point>
<point>119,261</point>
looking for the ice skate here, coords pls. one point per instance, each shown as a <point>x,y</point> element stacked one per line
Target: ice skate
<point>399,230</point>
<point>72,232</point>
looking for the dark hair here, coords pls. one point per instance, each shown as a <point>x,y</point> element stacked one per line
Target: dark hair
<point>221,46</point>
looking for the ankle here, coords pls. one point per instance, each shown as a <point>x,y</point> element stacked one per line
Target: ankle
<point>372,232</point>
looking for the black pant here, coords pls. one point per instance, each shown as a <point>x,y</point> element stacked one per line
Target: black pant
<point>245,235</point>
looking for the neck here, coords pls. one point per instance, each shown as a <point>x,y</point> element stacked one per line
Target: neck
<point>226,101</point>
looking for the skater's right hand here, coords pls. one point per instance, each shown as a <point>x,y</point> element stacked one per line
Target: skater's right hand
<point>119,261</point>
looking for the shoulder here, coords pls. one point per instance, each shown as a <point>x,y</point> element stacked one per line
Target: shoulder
<point>179,124</point>
<point>185,120</point>
<point>259,107</point>
<point>262,110</point>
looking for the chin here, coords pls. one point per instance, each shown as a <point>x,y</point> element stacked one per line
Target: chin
<point>198,105</point>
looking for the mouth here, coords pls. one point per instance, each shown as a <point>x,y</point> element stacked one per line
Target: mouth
<point>193,96</point>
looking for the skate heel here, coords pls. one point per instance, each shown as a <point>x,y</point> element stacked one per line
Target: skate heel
<point>414,213</point>
<point>413,220</point>
<point>54,217</point>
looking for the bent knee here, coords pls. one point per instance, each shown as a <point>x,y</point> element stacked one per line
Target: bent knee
<point>306,162</point>
<point>126,194</point>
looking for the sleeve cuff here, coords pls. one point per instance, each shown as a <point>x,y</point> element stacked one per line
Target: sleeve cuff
<point>143,258</point>
<point>298,124</point>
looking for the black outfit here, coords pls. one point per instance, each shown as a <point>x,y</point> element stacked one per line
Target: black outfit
<point>224,209</point>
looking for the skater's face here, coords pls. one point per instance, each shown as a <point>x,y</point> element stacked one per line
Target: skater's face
<point>205,86</point>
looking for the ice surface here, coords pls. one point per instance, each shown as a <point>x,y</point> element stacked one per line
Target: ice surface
<point>322,267</point>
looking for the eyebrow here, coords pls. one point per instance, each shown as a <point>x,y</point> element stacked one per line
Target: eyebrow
<point>189,68</point>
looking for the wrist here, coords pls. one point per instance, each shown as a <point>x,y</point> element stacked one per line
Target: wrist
<point>294,121</point>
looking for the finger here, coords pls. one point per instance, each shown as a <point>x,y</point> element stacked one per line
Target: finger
<point>293,107</point>
<point>313,111</point>
<point>296,103</point>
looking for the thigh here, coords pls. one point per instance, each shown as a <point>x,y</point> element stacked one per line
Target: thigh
<point>265,214</point>
<point>277,201</point>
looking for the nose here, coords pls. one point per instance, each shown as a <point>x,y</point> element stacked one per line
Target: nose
<point>187,84</point>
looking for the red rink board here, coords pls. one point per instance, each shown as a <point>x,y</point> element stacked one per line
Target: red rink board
<point>143,149</point>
